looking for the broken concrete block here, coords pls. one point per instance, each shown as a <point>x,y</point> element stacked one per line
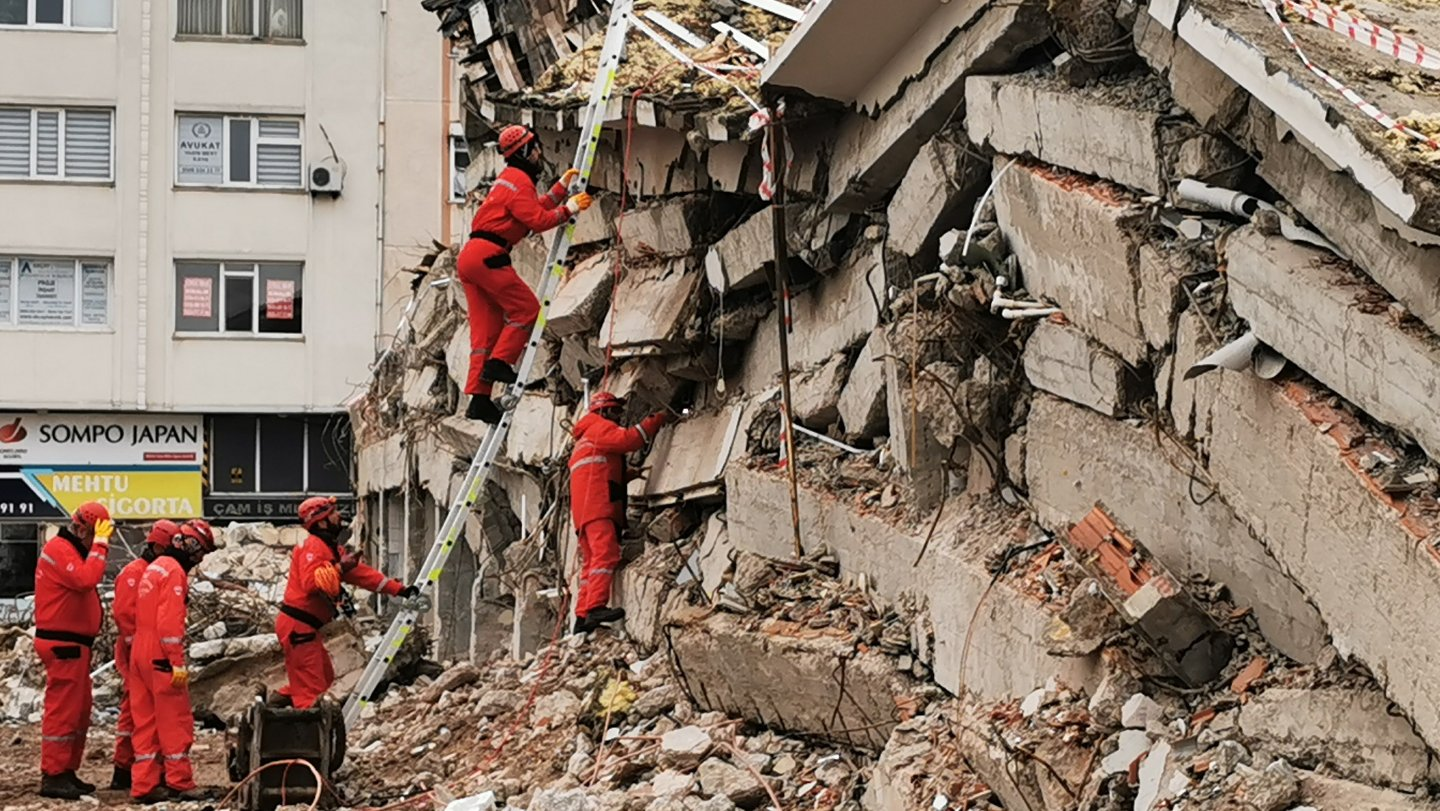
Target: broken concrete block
<point>685,748</point>
<point>381,465</point>
<point>1212,98</point>
<point>1305,305</point>
<point>651,305</point>
<point>1139,711</point>
<point>1076,458</point>
<point>535,433</point>
<point>1350,731</point>
<point>1060,359</point>
<point>720,778</point>
<point>1191,400</point>
<point>1322,792</point>
<point>872,154</point>
<point>1132,744</point>
<point>691,456</point>
<point>937,192</point>
<point>667,227</point>
<point>862,405</point>
<point>1076,244</point>
<point>597,223</point>
<point>645,383</point>
<point>581,301</point>
<point>815,395</point>
<point>1160,294</point>
<point>419,391</point>
<point>457,357</point>
<point>494,703</point>
<point>743,256</point>
<point>1346,214</point>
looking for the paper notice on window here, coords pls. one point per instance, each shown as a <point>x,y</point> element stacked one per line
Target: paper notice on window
<point>196,296</point>
<point>94,295</point>
<point>46,292</point>
<point>6,264</point>
<point>279,299</point>
<point>200,150</point>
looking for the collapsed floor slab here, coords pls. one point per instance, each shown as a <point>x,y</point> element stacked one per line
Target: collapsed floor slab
<point>1061,360</point>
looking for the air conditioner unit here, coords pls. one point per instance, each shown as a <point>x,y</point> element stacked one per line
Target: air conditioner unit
<point>327,176</point>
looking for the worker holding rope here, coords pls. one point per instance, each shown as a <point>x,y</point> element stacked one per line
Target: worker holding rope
<point>501,307</point>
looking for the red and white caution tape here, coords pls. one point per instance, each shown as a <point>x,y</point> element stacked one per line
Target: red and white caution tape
<point>1377,37</point>
<point>759,120</point>
<point>1383,119</point>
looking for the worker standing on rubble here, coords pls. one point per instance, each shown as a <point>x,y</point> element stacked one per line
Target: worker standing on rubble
<point>68,614</point>
<point>598,477</point>
<point>159,679</point>
<point>127,590</point>
<point>501,306</point>
<point>318,567</point>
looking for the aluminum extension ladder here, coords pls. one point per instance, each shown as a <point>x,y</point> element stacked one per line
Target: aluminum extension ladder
<point>600,93</point>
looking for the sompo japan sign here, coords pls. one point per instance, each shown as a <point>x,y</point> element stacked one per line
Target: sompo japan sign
<point>100,440</point>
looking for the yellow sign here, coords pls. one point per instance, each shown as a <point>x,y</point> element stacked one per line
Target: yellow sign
<point>127,494</point>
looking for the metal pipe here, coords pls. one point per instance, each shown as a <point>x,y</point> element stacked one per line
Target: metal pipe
<point>1237,203</point>
<point>1028,313</point>
<point>781,286</point>
<point>829,441</point>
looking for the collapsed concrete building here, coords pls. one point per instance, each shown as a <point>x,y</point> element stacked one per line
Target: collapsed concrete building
<point>1112,346</point>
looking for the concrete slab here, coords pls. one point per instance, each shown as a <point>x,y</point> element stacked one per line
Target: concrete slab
<point>1350,731</point>
<point>789,678</point>
<point>651,304</point>
<point>1060,359</point>
<point>742,257</point>
<point>1076,458</point>
<point>1075,242</point>
<point>1160,294</point>
<point>580,303</point>
<point>863,411</point>
<point>1203,90</point>
<point>535,435</point>
<point>1191,400</point>
<point>691,455</point>
<point>1362,558</point>
<point>1323,792</point>
<point>937,194</point>
<point>667,227</point>
<point>381,466</point>
<point>873,154</point>
<point>949,582</point>
<point>457,356</point>
<point>815,395</point>
<point>1309,308</point>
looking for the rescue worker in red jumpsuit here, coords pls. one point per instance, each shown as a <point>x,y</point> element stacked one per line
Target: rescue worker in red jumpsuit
<point>598,477</point>
<point>501,306</point>
<point>127,590</point>
<point>318,567</point>
<point>67,619</point>
<point>159,679</point>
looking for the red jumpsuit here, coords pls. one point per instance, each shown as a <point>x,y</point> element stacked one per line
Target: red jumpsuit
<point>164,720</point>
<point>597,499</point>
<point>501,306</point>
<point>127,590</point>
<point>67,618</point>
<point>306,609</point>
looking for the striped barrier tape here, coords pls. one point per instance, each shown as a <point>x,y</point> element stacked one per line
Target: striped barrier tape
<point>1377,37</point>
<point>1380,117</point>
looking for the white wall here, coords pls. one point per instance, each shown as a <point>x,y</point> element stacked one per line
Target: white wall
<point>144,222</point>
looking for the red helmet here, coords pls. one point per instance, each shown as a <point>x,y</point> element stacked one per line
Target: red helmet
<point>603,400</point>
<point>513,138</point>
<point>89,513</point>
<point>316,509</point>
<point>162,533</point>
<point>199,530</point>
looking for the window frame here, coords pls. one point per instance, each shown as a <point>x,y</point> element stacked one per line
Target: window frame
<point>256,20</point>
<point>67,25</point>
<point>308,421</point>
<point>61,146</point>
<point>455,170</point>
<point>10,319</point>
<point>253,184</point>
<point>246,269</point>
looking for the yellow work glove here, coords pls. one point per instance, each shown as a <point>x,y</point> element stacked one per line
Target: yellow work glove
<point>579,203</point>
<point>327,579</point>
<point>569,177</point>
<point>180,677</point>
<point>104,528</point>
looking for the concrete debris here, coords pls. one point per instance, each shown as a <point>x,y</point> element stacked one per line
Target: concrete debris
<point>580,303</point>
<point>717,777</point>
<point>1061,360</point>
<point>862,403</point>
<point>745,254</point>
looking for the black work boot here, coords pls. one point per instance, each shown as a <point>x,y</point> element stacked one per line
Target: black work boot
<point>482,408</point>
<point>605,614</point>
<point>120,780</point>
<point>498,371</point>
<point>193,795</point>
<point>87,788</point>
<point>159,794</point>
<point>59,787</point>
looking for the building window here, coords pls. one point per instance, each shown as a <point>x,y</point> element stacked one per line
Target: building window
<point>280,454</point>
<point>58,13</point>
<point>51,292</point>
<point>238,298</point>
<point>55,143</point>
<point>245,151</point>
<point>240,19</point>
<point>459,162</point>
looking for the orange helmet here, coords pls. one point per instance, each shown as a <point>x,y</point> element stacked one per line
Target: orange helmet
<point>514,138</point>
<point>89,513</point>
<point>162,533</point>
<point>316,509</point>
<point>603,400</point>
